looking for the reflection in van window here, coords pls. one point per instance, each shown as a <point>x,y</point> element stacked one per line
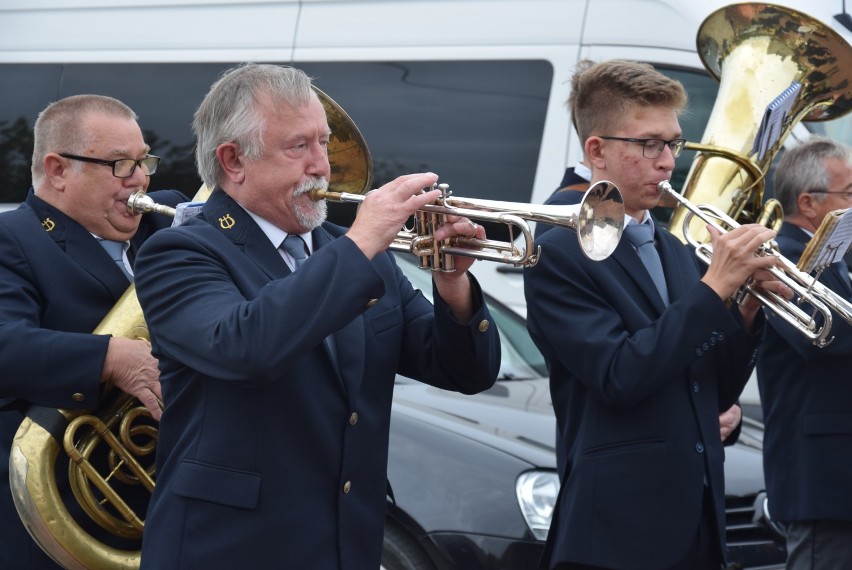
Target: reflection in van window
<point>477,124</point>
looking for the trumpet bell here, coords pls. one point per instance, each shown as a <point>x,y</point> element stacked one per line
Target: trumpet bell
<point>600,221</point>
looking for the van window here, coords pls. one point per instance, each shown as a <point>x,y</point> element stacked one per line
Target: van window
<point>478,124</point>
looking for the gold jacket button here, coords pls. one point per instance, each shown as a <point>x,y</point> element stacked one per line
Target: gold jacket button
<point>483,325</point>
<point>78,397</point>
<point>353,419</point>
<point>347,486</point>
<point>372,302</point>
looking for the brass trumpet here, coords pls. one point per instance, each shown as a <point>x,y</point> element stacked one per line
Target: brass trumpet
<point>598,221</point>
<point>808,289</point>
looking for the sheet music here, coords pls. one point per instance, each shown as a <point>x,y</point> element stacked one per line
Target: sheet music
<point>831,248</point>
<point>186,211</point>
<point>772,125</point>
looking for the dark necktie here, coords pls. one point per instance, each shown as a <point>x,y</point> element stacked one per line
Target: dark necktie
<point>115,249</point>
<point>642,237</point>
<point>295,246</point>
<point>298,250</point>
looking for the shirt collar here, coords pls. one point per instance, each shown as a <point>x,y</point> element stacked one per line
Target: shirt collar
<point>275,234</point>
<point>583,171</point>
<point>645,219</point>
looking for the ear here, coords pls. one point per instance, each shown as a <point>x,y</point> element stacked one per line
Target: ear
<point>807,205</point>
<point>594,153</point>
<point>231,160</point>
<point>55,169</point>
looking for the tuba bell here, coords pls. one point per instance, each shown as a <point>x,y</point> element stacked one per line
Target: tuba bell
<point>120,435</point>
<point>758,51</point>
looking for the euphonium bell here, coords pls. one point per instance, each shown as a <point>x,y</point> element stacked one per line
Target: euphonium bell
<point>757,51</point>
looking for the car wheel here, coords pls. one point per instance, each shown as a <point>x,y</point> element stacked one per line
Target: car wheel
<point>401,552</point>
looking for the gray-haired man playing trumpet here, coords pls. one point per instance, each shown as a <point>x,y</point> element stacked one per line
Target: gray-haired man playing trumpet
<point>280,335</point>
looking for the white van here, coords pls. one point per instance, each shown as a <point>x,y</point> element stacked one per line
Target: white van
<point>473,90</point>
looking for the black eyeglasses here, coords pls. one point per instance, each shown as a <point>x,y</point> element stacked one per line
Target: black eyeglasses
<point>123,167</point>
<point>652,148</point>
<point>846,195</point>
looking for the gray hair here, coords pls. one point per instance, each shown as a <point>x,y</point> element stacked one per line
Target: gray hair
<point>232,111</point>
<point>802,169</point>
<point>58,127</point>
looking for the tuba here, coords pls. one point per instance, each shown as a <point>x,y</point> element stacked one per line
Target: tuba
<point>103,530</point>
<point>757,52</point>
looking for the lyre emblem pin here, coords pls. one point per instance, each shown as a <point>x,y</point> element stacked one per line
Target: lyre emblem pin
<point>226,222</point>
<point>48,224</point>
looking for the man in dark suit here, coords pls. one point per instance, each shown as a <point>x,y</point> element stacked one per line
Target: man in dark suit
<point>805,391</point>
<point>278,362</point>
<point>639,374</point>
<point>57,281</point>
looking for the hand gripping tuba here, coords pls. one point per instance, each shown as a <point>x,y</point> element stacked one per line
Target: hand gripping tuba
<point>102,529</point>
<point>757,51</point>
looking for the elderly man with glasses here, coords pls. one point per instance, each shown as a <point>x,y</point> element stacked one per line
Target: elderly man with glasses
<point>66,258</point>
<point>805,391</point>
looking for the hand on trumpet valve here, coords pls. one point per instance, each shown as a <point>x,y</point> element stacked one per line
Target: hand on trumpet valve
<point>385,210</point>
<point>741,257</point>
<point>459,229</point>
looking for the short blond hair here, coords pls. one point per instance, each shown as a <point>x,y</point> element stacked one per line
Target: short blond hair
<point>602,93</point>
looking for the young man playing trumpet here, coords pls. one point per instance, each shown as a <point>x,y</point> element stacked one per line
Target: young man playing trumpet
<point>641,369</point>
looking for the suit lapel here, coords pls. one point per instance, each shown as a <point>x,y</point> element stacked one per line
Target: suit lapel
<point>626,256</point>
<point>349,342</point>
<point>80,245</point>
<point>671,250</point>
<point>223,212</point>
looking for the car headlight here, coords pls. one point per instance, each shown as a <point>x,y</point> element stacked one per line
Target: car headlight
<point>761,514</point>
<point>537,492</point>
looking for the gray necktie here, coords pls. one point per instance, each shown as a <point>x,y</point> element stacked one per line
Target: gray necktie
<point>115,249</point>
<point>298,250</point>
<point>295,246</point>
<point>642,236</point>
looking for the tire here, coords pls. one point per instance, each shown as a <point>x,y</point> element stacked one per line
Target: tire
<point>401,551</point>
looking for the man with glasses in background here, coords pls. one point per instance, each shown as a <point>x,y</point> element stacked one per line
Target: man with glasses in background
<point>805,391</point>
<point>66,257</point>
<point>643,352</point>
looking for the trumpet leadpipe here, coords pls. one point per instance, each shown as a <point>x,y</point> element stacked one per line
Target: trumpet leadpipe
<point>141,203</point>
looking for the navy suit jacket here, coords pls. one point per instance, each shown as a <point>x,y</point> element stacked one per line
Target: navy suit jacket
<point>806,396</point>
<point>563,196</point>
<point>56,284</point>
<point>269,454</point>
<point>637,389</point>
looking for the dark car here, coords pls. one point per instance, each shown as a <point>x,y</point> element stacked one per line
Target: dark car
<point>474,478</point>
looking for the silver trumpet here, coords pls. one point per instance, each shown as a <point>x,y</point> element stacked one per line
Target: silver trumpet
<point>598,221</point>
<point>808,290</point>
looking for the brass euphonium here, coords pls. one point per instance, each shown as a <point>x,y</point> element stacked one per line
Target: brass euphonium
<point>120,422</point>
<point>757,51</point>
